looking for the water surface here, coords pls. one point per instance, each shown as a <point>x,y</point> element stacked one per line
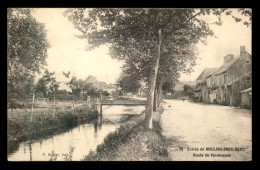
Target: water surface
<point>77,142</point>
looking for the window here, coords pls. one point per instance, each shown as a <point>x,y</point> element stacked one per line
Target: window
<point>247,62</point>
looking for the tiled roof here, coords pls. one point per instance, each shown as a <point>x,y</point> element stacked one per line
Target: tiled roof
<point>205,72</point>
<point>226,66</point>
<point>212,72</point>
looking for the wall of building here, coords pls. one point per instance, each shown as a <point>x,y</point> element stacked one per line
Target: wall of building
<point>246,100</point>
<point>238,75</point>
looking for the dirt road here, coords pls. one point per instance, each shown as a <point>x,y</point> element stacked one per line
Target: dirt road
<point>207,132</point>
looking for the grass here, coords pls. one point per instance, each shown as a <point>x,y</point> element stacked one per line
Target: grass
<point>132,142</point>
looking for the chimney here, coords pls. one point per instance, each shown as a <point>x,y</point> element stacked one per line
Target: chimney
<point>228,58</point>
<point>242,51</point>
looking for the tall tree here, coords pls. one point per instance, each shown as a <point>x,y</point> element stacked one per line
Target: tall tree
<point>143,35</point>
<point>52,86</point>
<point>41,88</point>
<point>75,86</point>
<point>129,83</point>
<point>26,50</point>
<point>188,90</point>
<point>30,90</point>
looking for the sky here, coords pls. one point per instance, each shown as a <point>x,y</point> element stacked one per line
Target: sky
<point>67,52</point>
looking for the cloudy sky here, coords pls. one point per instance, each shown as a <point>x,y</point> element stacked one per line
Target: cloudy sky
<point>67,52</point>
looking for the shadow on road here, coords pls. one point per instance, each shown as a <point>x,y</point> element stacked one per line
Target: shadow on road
<point>176,142</point>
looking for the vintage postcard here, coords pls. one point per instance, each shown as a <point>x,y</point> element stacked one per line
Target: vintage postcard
<point>129,84</point>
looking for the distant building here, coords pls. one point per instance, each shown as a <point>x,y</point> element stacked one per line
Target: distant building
<point>63,86</point>
<point>226,84</point>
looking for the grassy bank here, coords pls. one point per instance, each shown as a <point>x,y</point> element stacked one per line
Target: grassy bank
<point>44,124</point>
<point>132,142</point>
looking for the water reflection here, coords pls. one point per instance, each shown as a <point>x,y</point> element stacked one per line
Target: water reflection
<point>30,148</point>
<point>77,142</point>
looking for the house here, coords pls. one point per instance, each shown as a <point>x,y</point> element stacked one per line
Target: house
<point>201,90</point>
<point>212,86</point>
<point>233,77</point>
<point>63,86</point>
<point>225,84</point>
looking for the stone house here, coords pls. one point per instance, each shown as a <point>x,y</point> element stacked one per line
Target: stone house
<point>226,83</point>
<point>201,91</point>
<point>211,86</point>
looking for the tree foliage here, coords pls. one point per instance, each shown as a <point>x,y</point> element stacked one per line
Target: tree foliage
<point>188,89</point>
<point>133,36</point>
<point>41,87</point>
<point>156,44</point>
<point>52,84</point>
<point>168,86</point>
<point>129,83</point>
<point>73,84</point>
<point>26,50</point>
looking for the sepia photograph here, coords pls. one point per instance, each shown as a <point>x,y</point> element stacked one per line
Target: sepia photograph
<point>129,84</point>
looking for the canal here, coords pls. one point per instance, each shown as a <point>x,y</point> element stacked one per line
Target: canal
<point>75,143</point>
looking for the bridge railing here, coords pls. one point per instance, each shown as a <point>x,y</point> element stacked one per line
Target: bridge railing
<point>123,102</point>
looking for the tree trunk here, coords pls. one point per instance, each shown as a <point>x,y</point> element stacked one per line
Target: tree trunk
<point>54,105</point>
<point>151,87</point>
<point>32,107</point>
<point>155,99</point>
<point>73,104</point>
<point>160,98</point>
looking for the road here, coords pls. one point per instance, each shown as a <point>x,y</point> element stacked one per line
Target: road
<point>204,132</point>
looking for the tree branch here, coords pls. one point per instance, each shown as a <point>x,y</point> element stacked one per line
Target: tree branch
<point>181,25</point>
<point>193,17</point>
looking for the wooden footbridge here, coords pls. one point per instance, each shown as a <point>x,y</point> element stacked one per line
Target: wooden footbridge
<point>119,102</point>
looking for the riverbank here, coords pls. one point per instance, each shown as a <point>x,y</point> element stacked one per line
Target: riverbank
<point>132,142</point>
<point>44,124</point>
